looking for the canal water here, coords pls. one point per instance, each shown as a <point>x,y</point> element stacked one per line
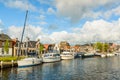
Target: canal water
<point>77,69</point>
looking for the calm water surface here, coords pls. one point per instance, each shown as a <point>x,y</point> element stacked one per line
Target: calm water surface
<point>77,69</point>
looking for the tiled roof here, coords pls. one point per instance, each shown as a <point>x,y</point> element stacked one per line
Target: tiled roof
<point>4,37</point>
<point>46,46</point>
<point>31,44</point>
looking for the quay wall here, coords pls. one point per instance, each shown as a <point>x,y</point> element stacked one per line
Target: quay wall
<point>8,64</point>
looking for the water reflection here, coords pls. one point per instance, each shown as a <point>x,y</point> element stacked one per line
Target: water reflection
<point>77,69</point>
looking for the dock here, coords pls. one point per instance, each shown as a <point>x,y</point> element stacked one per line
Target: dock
<point>8,64</point>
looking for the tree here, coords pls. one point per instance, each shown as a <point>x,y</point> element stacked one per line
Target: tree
<point>106,47</point>
<point>41,48</point>
<point>6,46</point>
<point>102,47</point>
<point>98,46</point>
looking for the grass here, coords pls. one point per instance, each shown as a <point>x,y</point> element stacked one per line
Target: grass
<point>10,58</point>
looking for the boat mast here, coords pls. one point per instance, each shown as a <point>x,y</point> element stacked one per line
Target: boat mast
<point>22,33</point>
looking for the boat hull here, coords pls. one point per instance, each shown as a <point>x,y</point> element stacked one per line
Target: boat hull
<point>103,55</point>
<point>109,55</point>
<point>29,62</point>
<point>67,56</point>
<point>54,59</point>
<point>88,55</point>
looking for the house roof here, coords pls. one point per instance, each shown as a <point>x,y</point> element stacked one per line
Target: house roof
<point>4,37</point>
<point>31,44</point>
<point>46,46</point>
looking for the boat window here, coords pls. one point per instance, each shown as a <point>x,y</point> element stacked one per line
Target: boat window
<point>45,55</point>
<point>50,54</point>
<point>58,54</point>
<point>31,54</point>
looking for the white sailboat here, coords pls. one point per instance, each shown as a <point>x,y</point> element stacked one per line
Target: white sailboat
<point>32,58</point>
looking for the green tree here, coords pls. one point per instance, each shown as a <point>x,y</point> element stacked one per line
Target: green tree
<point>98,46</point>
<point>41,48</point>
<point>102,47</point>
<point>6,46</point>
<point>106,47</point>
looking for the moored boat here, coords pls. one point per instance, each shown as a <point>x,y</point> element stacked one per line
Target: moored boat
<point>98,54</point>
<point>31,60</point>
<point>32,57</point>
<point>103,55</point>
<point>67,55</point>
<point>79,54</point>
<point>88,55</point>
<point>51,57</point>
<point>110,54</point>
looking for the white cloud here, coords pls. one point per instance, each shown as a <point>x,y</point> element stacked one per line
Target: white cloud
<point>45,39</point>
<point>42,11</point>
<point>1,26</point>
<point>97,30</point>
<point>76,29</point>
<point>42,23</point>
<point>52,27</point>
<point>115,11</point>
<point>51,11</point>
<point>78,9</point>
<point>30,31</point>
<point>0,21</point>
<point>100,30</point>
<point>33,32</point>
<point>48,2</point>
<point>42,17</point>
<point>19,4</point>
<point>64,36</point>
<point>14,32</point>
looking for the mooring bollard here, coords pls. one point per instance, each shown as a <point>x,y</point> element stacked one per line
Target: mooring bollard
<point>12,63</point>
<point>1,64</point>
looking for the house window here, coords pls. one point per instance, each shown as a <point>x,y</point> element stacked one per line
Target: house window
<point>2,44</point>
<point>2,50</point>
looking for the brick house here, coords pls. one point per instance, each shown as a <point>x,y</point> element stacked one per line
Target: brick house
<point>64,45</point>
<point>27,46</point>
<point>3,39</point>
<point>48,47</point>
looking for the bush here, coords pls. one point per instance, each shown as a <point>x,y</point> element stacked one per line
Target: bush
<point>10,58</point>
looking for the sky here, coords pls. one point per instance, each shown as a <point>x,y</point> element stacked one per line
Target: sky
<point>52,21</point>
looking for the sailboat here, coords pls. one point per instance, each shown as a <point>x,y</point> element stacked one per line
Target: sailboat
<point>32,58</point>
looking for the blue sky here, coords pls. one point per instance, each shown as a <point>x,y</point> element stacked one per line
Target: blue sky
<point>75,21</point>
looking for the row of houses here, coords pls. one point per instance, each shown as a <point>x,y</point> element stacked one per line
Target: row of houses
<point>16,48</point>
